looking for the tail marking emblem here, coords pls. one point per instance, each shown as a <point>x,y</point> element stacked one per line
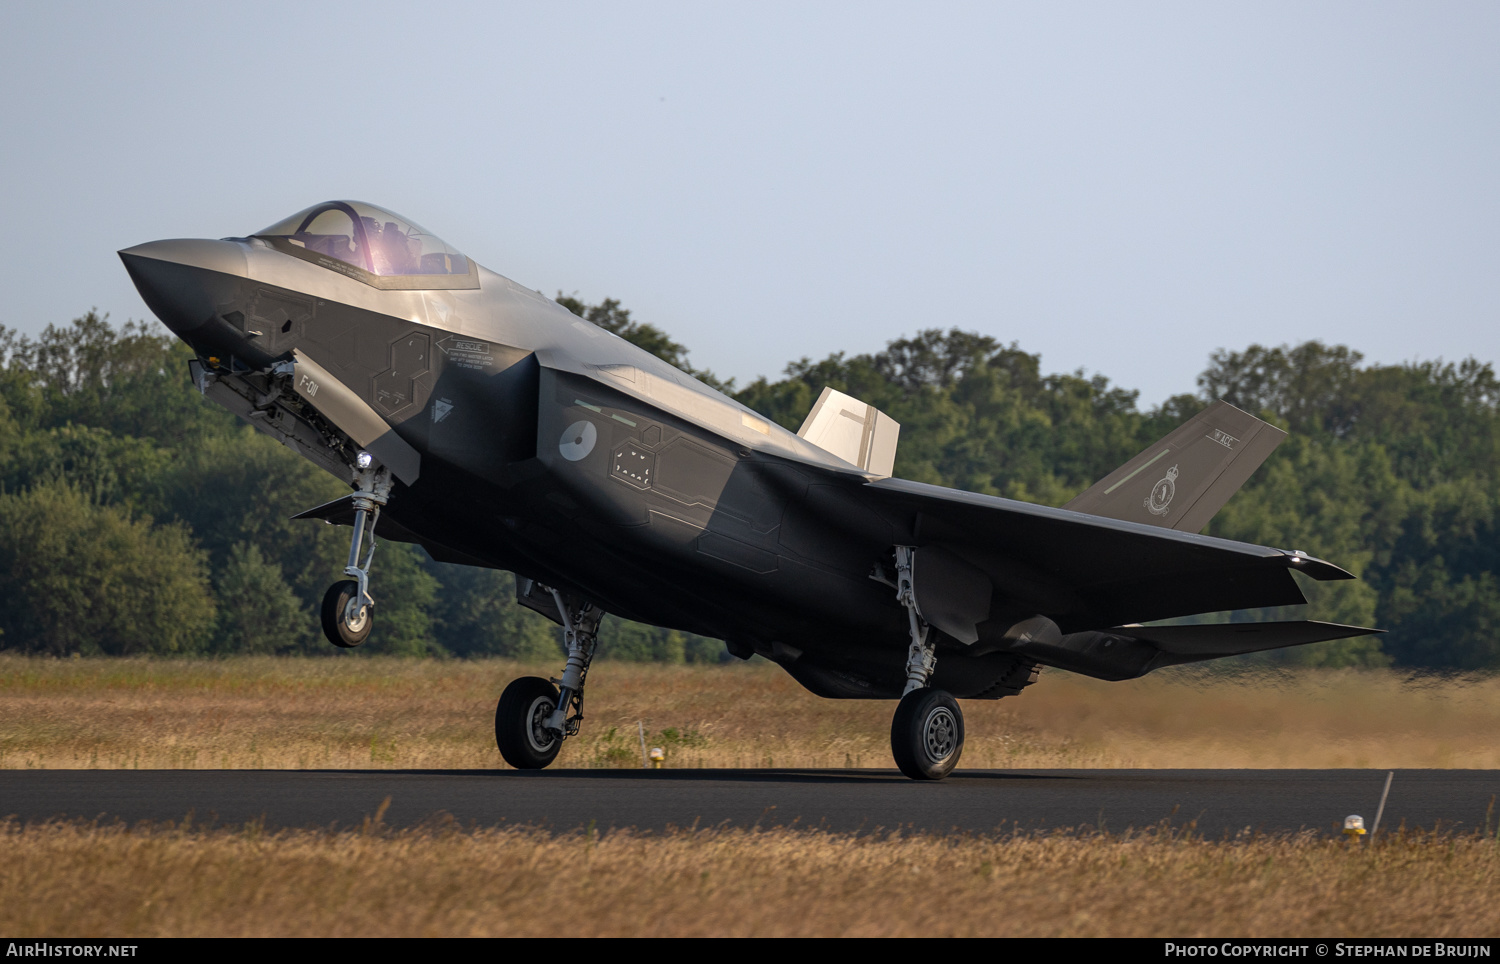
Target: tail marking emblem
<point>1161,493</point>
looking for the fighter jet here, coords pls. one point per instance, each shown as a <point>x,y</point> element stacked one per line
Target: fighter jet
<point>481,420</point>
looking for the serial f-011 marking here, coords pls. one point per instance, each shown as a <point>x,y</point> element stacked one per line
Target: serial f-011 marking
<point>486,423</point>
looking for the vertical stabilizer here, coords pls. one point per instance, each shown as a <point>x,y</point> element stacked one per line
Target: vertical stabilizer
<point>854,431</point>
<point>1181,481</point>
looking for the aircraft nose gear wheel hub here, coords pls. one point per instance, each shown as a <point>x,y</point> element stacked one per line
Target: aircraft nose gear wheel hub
<point>521,723</point>
<point>927,734</point>
<point>348,608</point>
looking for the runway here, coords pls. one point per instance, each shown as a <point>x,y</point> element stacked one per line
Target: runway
<point>1216,802</point>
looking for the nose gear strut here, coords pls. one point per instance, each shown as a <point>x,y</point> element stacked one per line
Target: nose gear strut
<point>348,607</point>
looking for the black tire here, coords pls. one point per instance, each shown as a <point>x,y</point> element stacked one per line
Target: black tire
<point>523,706</point>
<point>336,624</point>
<point>927,734</point>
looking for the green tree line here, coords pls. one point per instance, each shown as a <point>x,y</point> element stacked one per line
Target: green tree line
<point>136,517</point>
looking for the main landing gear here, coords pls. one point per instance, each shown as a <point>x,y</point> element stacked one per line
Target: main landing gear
<point>534,716</point>
<point>927,733</point>
<point>348,608</point>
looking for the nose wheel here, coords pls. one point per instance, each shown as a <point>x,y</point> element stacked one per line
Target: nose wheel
<point>927,734</point>
<point>347,618</point>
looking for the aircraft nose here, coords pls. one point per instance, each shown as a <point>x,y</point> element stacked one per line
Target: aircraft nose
<point>183,280</point>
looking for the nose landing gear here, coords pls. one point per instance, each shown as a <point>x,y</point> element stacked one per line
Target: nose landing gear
<point>348,608</point>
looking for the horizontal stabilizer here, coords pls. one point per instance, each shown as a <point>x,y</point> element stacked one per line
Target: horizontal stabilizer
<point>1181,481</point>
<point>1187,644</point>
<point>854,431</point>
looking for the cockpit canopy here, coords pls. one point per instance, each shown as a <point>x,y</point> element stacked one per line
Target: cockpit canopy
<point>371,245</point>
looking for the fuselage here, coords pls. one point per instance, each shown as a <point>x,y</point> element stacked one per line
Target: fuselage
<point>524,438</point>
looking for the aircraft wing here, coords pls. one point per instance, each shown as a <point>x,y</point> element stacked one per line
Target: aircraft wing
<point>1092,572</point>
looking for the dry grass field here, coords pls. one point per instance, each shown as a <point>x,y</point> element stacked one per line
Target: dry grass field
<point>357,712</point>
<point>75,879</point>
<point>78,880</point>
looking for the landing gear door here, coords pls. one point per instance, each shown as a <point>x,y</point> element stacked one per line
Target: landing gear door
<point>346,410</point>
<point>534,596</point>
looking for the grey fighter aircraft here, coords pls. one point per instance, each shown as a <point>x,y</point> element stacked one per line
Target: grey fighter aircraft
<point>484,422</point>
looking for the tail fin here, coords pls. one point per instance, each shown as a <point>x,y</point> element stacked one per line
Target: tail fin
<point>1181,481</point>
<point>853,430</point>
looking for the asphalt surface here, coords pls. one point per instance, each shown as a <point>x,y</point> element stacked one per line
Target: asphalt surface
<point>1216,802</point>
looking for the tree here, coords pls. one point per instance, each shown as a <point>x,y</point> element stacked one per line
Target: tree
<point>121,489</point>
<point>78,577</point>
<point>405,595</point>
<point>130,381</point>
<point>476,615</point>
<point>1311,388</point>
<point>258,612</point>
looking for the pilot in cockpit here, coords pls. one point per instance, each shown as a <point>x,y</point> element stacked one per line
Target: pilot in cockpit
<point>391,248</point>
<point>372,240</point>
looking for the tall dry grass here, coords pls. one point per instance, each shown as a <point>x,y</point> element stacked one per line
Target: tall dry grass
<point>391,713</point>
<point>78,880</point>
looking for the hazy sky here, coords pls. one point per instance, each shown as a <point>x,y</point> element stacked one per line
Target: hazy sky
<point>1120,187</point>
